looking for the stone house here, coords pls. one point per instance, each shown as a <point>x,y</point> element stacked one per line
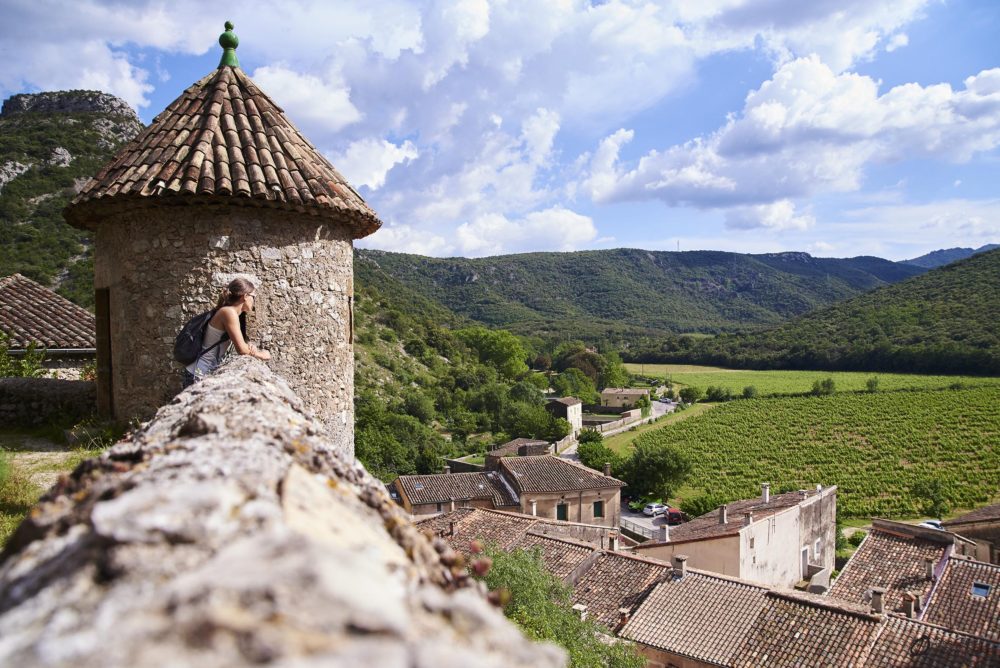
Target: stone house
<point>774,540</point>
<point>982,526</point>
<point>569,409</point>
<point>622,397</point>
<point>30,313</point>
<point>538,485</point>
<point>220,185</point>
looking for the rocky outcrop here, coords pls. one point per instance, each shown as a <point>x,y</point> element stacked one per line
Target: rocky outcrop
<point>67,102</point>
<point>227,532</point>
<point>10,170</point>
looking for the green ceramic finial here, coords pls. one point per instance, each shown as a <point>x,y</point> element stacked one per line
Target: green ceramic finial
<point>228,41</point>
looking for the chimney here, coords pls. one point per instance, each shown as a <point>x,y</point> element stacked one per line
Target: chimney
<point>765,491</point>
<point>451,504</point>
<point>622,618</point>
<point>447,469</point>
<point>534,507</point>
<point>723,514</point>
<point>747,518</point>
<point>613,541</point>
<point>803,493</point>
<point>607,469</point>
<point>665,533</point>
<point>819,488</point>
<point>878,600</point>
<point>909,604</point>
<point>451,528</point>
<point>581,610</point>
<point>929,568</point>
<point>918,602</point>
<point>680,565</point>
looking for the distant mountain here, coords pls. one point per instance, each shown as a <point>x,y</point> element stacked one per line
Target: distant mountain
<point>944,321</point>
<point>945,256</point>
<point>50,145</point>
<point>619,294</point>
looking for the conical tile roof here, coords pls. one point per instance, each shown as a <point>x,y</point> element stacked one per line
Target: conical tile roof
<point>223,138</point>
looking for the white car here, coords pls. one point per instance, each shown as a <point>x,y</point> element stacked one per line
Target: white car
<point>932,524</point>
<point>654,509</point>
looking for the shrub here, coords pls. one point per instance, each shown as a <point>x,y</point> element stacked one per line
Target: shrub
<point>690,395</point>
<point>872,384</point>
<point>749,392</point>
<point>856,538</point>
<point>823,387</point>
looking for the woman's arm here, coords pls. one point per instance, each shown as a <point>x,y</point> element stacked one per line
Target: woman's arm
<point>231,321</point>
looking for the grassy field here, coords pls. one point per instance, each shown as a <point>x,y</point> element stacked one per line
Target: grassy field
<point>770,383</point>
<point>875,447</point>
<point>29,465</point>
<point>620,442</point>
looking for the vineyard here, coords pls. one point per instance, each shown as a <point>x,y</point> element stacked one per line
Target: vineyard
<point>874,447</point>
<point>769,383</point>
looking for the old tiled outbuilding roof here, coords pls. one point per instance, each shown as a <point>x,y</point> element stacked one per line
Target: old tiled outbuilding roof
<point>561,556</point>
<point>567,401</point>
<point>907,643</point>
<point>793,631</point>
<point>31,313</point>
<point>984,514</point>
<point>700,615</point>
<point>441,488</point>
<point>223,141</point>
<point>616,581</point>
<point>629,391</point>
<point>546,473</point>
<point>967,598</point>
<point>893,556</point>
<point>511,447</point>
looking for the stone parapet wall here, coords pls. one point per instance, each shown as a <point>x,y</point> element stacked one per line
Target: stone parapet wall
<point>228,531</point>
<point>33,402</point>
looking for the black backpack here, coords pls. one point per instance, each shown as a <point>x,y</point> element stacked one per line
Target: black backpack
<point>187,345</point>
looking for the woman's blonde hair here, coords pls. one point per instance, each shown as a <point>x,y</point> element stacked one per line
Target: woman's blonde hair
<point>235,291</point>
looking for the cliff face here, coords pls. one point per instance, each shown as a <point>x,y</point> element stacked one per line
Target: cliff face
<point>227,532</point>
<point>69,102</point>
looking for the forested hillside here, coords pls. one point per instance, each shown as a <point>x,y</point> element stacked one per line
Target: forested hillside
<point>942,322</point>
<point>939,258</point>
<point>50,144</point>
<point>618,294</point>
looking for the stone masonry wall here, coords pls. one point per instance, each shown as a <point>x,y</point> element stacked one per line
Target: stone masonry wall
<point>32,402</point>
<point>228,532</point>
<point>165,265</point>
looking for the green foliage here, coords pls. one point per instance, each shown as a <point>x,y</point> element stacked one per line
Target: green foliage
<point>690,394</point>
<point>499,348</point>
<point>874,447</point>
<point>940,322</point>
<point>655,469</point>
<point>595,455</point>
<point>823,387</point>
<point>696,506</point>
<point>932,495</point>
<point>750,392</point>
<point>645,405</point>
<point>574,383</point>
<point>855,538</point>
<point>589,436</point>
<point>26,365</point>
<point>540,605</point>
<point>872,384</point>
<point>715,394</point>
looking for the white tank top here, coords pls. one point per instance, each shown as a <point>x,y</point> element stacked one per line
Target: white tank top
<point>209,359</point>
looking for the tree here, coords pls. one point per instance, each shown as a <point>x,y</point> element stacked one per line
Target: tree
<point>540,605</point>
<point>696,506</point>
<point>419,405</point>
<point>718,394</point>
<point>749,392</point>
<point>644,404</point>
<point>590,436</point>
<point>614,373</point>
<point>931,493</point>
<point>499,348</point>
<point>655,470</point>
<point>596,455</point>
<point>872,384</point>
<point>823,387</point>
<point>574,383</point>
<point>690,394</point>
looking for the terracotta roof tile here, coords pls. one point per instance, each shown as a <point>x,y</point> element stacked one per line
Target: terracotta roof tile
<point>440,488</point>
<point>967,598</point>
<point>702,616</point>
<point>983,514</point>
<point>560,555</point>
<point>616,581</point>
<point>793,631</point>
<point>223,137</point>
<point>546,473</point>
<point>892,557</point>
<point>907,643</point>
<point>31,313</point>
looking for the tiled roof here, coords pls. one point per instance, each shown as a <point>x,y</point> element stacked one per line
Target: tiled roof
<point>625,390</point>
<point>223,138</point>
<point>983,514</point>
<point>567,401</point>
<point>560,555</point>
<point>511,447</point>
<point>702,615</point>
<point>793,631</point>
<point>616,581</point>
<point>907,643</point>
<point>546,473</point>
<point>442,487</point>
<point>953,604</point>
<point>501,529</point>
<point>31,313</point>
<point>708,526</point>
<point>892,557</point>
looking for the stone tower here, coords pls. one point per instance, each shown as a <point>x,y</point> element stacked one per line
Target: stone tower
<point>221,184</point>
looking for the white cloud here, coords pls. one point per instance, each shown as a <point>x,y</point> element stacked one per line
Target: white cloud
<point>311,102</point>
<point>778,215</point>
<point>897,41</point>
<point>554,229</point>
<point>407,239</point>
<point>367,162</point>
<point>806,131</point>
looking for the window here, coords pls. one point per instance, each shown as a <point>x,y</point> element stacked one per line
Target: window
<point>598,509</point>
<point>562,512</point>
<point>980,590</point>
<point>440,508</point>
<point>751,542</point>
<point>816,549</point>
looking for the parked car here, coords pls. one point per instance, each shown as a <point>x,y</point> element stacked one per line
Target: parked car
<point>654,509</point>
<point>932,524</point>
<point>675,516</point>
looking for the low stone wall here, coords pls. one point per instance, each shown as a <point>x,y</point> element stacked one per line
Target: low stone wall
<point>32,402</point>
<point>227,532</point>
<point>458,466</point>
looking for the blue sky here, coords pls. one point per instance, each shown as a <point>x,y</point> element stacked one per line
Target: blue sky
<point>836,127</point>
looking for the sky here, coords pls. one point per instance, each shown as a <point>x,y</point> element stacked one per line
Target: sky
<point>835,127</point>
